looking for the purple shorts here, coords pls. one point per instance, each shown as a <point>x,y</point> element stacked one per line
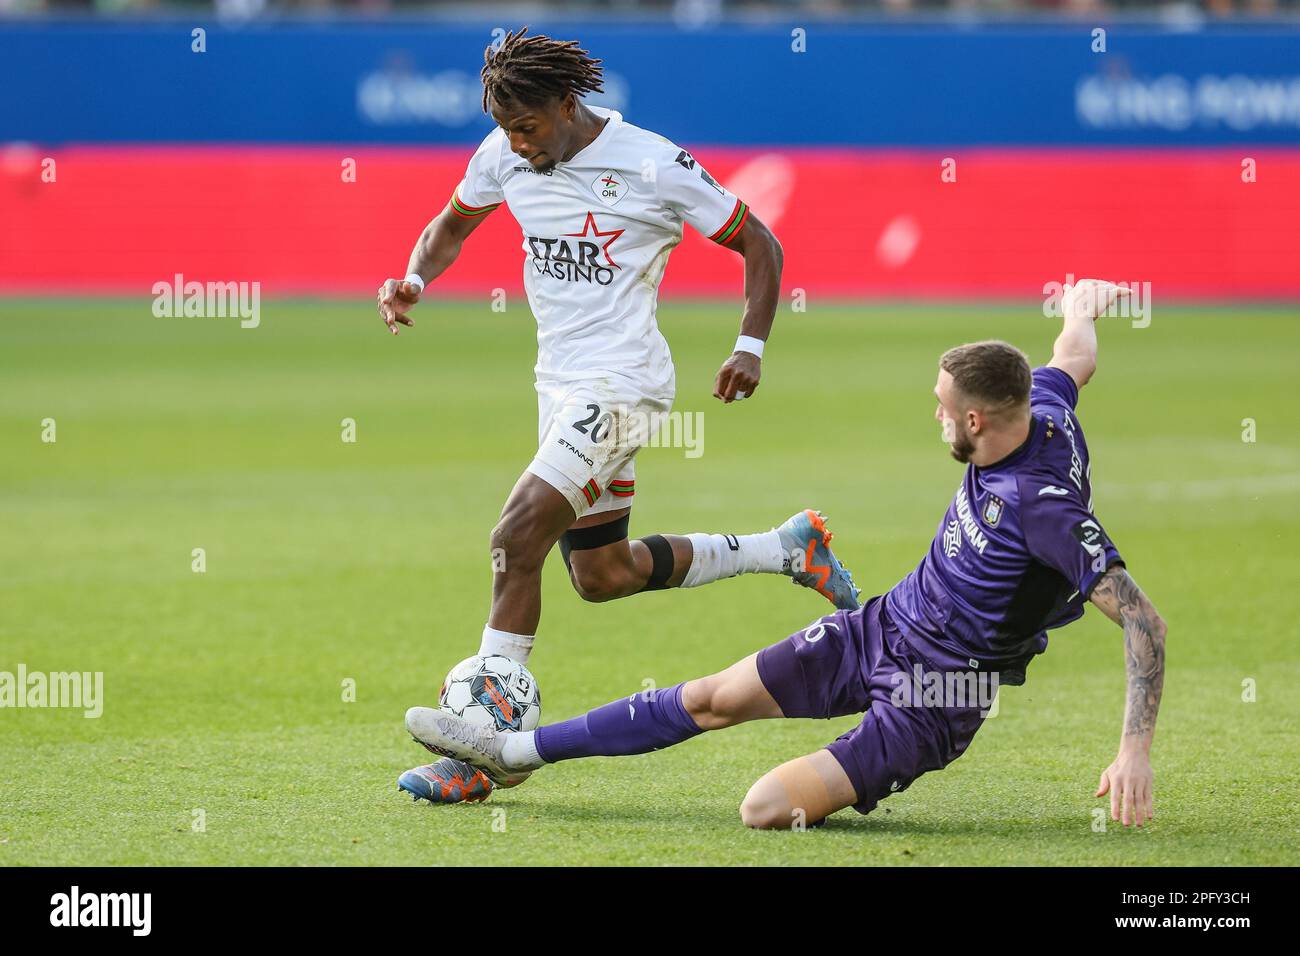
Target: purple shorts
<point>857,662</point>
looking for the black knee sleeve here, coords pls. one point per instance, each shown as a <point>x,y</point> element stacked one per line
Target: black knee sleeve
<point>661,554</point>
<point>596,536</point>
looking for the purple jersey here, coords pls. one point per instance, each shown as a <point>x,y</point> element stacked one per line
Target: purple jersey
<point>1017,553</point>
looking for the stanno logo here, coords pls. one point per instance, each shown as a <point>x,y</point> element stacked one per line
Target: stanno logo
<point>590,462</point>
<point>103,909</point>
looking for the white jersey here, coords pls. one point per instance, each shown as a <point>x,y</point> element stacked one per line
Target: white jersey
<point>597,231</point>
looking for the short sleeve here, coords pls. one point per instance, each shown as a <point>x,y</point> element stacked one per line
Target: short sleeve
<point>480,191</point>
<point>1062,534</point>
<point>1053,385</point>
<point>694,196</point>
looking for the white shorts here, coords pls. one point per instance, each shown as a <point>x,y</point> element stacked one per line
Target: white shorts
<point>588,434</point>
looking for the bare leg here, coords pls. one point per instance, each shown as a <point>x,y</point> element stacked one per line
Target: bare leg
<point>800,791</point>
<point>803,790</point>
<point>534,517</point>
<point>733,696</point>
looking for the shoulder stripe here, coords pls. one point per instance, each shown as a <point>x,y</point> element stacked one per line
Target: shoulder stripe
<point>732,226</point>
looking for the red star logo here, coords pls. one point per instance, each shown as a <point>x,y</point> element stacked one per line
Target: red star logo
<point>590,228</point>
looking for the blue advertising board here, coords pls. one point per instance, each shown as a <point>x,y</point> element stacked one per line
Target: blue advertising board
<point>815,83</point>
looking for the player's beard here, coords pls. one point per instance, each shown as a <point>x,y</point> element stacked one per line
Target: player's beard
<point>961,446</point>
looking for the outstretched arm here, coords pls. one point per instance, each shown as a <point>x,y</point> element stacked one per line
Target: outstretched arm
<point>1075,349</point>
<point>1128,779</point>
<point>435,250</point>
<point>763,263</point>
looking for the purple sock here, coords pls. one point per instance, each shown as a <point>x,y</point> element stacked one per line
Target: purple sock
<point>650,720</point>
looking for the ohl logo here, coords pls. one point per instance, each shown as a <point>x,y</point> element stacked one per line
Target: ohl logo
<point>587,259</point>
<point>609,187</point>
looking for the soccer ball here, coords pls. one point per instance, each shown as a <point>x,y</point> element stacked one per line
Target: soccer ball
<point>492,692</point>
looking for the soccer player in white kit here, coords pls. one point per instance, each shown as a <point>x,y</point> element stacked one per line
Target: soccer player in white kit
<point>601,204</point>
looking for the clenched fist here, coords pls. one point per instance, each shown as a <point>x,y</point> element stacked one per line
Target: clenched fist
<point>738,377</point>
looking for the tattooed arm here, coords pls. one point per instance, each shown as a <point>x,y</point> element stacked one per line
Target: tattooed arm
<point>1128,779</point>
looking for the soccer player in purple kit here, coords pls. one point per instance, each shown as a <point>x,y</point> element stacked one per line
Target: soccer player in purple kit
<point>1018,552</point>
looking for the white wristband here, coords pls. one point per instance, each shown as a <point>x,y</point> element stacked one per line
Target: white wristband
<point>416,281</point>
<point>747,343</point>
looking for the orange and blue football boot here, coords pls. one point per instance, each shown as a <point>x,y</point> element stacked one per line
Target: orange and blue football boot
<point>812,564</point>
<point>447,781</point>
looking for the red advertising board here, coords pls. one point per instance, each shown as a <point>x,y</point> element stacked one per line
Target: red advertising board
<point>1212,223</point>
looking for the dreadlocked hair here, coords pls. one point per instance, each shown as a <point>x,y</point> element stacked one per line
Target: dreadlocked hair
<point>533,70</point>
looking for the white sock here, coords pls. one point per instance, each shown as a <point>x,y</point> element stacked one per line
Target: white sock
<point>519,751</point>
<point>720,556</point>
<point>517,647</point>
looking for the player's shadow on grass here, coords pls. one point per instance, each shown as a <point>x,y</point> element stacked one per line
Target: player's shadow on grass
<point>895,824</point>
<point>617,813</point>
<point>844,822</point>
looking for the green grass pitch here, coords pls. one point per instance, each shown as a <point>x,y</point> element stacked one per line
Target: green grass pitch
<point>330,561</point>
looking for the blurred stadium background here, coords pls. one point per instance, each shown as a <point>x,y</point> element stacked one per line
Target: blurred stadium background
<point>1119,153</point>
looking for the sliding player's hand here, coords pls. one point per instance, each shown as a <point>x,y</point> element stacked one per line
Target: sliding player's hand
<point>1129,782</point>
<point>738,377</point>
<point>396,298</point>
<point>1090,298</point>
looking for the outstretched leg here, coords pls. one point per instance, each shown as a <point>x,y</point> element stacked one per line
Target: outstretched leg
<point>636,724</point>
<point>801,791</point>
<point>604,565</point>
<point>830,668</point>
<point>648,720</point>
